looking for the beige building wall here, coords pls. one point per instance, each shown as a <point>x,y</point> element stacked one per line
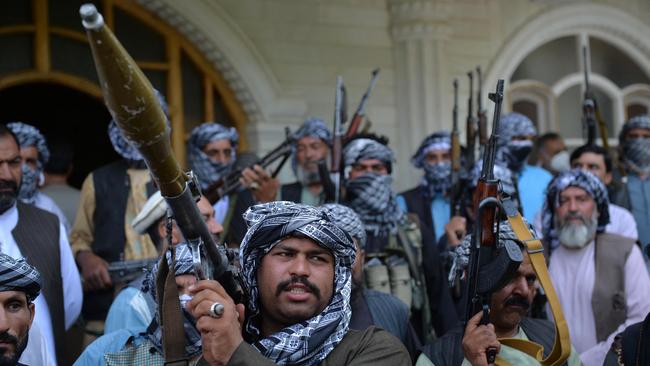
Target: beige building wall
<point>281,57</point>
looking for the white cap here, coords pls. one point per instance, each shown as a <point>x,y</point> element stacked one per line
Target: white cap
<point>153,210</point>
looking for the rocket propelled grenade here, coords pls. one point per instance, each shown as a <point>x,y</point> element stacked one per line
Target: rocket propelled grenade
<point>130,99</point>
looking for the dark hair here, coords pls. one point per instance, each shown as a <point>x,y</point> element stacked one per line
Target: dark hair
<point>6,131</point>
<point>372,136</point>
<point>61,155</point>
<point>594,149</point>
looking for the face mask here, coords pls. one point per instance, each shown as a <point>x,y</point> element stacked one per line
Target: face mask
<point>518,152</point>
<point>560,162</point>
<point>637,154</point>
<point>28,185</point>
<point>437,176</point>
<point>184,299</point>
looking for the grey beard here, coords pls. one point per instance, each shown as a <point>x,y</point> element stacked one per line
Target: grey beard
<point>307,177</point>
<point>577,236</point>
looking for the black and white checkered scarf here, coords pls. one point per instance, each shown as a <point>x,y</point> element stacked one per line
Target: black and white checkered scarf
<point>573,178</point>
<point>364,149</point>
<point>207,170</point>
<point>348,220</point>
<point>313,127</point>
<point>372,198</point>
<point>636,152</point>
<point>512,125</point>
<point>30,136</point>
<point>436,178</point>
<point>310,341</point>
<point>18,275</point>
<point>183,265</point>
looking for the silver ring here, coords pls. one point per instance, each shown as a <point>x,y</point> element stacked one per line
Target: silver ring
<point>216,310</point>
<point>254,186</point>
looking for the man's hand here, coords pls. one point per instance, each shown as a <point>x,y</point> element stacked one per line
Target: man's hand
<point>263,187</point>
<point>94,271</point>
<point>456,229</point>
<point>221,336</point>
<point>477,339</point>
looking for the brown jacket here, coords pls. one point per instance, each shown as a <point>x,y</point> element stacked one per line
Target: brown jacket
<point>372,346</point>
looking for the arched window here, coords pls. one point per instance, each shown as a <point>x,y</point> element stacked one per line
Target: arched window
<point>548,85</point>
<point>43,42</point>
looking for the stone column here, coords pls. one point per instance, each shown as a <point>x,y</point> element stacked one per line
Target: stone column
<point>420,31</point>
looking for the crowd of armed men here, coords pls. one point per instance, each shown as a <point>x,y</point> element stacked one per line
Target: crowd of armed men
<point>510,251</point>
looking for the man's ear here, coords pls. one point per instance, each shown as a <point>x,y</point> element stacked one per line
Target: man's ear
<point>608,178</point>
<point>32,312</point>
<point>162,229</point>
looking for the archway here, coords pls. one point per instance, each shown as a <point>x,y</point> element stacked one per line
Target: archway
<point>63,115</point>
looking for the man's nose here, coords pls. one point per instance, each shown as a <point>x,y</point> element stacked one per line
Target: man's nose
<point>5,171</point>
<point>299,266</point>
<point>214,227</point>
<point>4,322</point>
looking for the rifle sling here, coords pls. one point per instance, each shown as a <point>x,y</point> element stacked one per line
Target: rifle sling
<point>173,333</point>
<point>562,345</point>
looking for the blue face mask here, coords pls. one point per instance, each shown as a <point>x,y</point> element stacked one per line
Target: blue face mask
<point>637,154</point>
<point>437,176</point>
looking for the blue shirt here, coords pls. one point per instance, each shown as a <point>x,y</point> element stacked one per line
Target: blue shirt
<point>93,355</point>
<point>130,310</point>
<point>531,184</point>
<point>440,210</point>
<point>639,193</point>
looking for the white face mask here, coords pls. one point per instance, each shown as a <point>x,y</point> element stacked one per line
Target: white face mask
<point>560,162</point>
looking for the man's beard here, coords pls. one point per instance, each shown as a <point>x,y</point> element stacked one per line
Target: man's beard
<point>309,176</point>
<point>576,235</point>
<point>8,194</point>
<point>20,346</point>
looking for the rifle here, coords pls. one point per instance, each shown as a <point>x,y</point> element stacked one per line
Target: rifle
<point>489,267</point>
<point>471,124</point>
<point>127,271</point>
<point>337,141</point>
<point>590,112</point>
<point>230,183</point>
<point>481,114</point>
<point>129,97</point>
<point>456,190</point>
<point>360,113</point>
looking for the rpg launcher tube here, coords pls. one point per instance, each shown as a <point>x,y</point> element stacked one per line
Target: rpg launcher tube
<point>130,99</point>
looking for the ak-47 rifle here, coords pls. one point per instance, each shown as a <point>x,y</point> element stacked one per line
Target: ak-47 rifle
<point>471,124</point>
<point>590,112</point>
<point>129,97</point>
<point>481,114</point>
<point>230,183</point>
<point>489,267</point>
<point>360,113</point>
<point>456,190</point>
<point>126,271</point>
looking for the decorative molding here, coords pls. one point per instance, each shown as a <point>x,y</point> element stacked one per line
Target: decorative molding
<point>230,52</point>
<point>420,19</point>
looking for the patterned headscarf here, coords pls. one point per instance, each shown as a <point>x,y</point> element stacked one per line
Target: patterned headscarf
<point>121,144</point>
<point>514,153</point>
<point>183,265</point>
<point>18,275</point>
<point>573,178</point>
<point>313,127</point>
<point>30,136</point>
<point>372,198</point>
<point>460,255</point>
<point>348,220</point>
<point>207,170</point>
<point>636,152</point>
<point>364,149</point>
<point>436,176</point>
<point>310,341</point>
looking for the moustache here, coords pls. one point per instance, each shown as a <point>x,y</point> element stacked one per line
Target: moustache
<point>516,300</point>
<point>282,286</point>
<point>4,184</point>
<point>5,337</point>
<point>571,216</point>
